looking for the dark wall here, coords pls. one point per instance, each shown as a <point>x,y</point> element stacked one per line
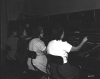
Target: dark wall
<point>75,20</point>
<point>3,25</point>
<point>49,7</point>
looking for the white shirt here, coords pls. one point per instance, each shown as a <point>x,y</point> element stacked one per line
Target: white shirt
<point>40,62</point>
<point>59,48</point>
<point>36,45</point>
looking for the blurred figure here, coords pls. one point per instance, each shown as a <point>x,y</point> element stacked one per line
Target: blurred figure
<point>38,46</point>
<point>58,47</point>
<point>22,46</point>
<point>11,46</point>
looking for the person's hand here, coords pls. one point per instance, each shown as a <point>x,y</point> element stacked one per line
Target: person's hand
<point>85,39</point>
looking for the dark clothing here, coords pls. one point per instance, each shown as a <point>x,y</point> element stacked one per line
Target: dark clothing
<point>11,47</point>
<point>66,70</point>
<point>22,50</point>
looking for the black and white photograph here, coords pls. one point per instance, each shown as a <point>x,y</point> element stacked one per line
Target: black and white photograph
<point>50,39</point>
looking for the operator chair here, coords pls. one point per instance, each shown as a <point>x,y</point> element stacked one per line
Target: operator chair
<point>58,60</point>
<point>38,73</point>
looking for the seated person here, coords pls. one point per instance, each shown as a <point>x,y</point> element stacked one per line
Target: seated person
<point>11,46</point>
<point>38,46</point>
<point>61,48</point>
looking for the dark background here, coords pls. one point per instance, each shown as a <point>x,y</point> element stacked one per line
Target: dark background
<point>78,17</point>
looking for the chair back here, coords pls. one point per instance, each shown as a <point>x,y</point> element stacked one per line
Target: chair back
<point>57,60</point>
<point>32,54</point>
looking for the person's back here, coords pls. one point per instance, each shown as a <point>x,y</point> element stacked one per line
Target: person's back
<point>22,50</point>
<point>38,46</point>
<point>61,48</point>
<point>12,44</point>
<point>22,46</point>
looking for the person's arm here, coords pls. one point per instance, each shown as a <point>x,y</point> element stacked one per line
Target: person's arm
<point>79,46</point>
<point>43,47</point>
<point>45,51</point>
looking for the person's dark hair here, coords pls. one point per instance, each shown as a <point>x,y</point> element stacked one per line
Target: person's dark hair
<point>20,32</point>
<point>57,32</point>
<point>37,32</point>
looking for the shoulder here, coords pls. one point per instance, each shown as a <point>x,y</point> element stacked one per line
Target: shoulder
<point>52,41</point>
<point>33,40</point>
<point>65,42</point>
<point>36,41</point>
